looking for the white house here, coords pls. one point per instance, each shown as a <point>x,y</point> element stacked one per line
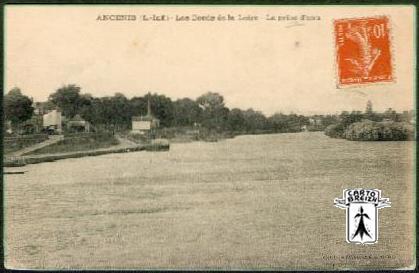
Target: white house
<point>144,124</point>
<point>52,121</point>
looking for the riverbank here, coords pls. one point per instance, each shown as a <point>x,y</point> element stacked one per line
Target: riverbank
<point>124,147</point>
<point>34,159</point>
<point>79,142</point>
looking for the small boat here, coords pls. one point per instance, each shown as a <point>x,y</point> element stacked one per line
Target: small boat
<point>14,172</point>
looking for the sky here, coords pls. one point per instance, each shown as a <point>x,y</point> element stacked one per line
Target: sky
<point>270,66</point>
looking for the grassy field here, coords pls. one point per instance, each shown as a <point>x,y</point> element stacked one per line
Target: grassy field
<point>252,202</point>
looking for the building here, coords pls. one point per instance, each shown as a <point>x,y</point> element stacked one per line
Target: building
<point>52,121</point>
<point>315,121</point>
<point>78,124</point>
<point>145,124</point>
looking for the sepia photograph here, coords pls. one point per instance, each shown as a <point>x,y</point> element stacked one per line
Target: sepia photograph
<point>209,137</point>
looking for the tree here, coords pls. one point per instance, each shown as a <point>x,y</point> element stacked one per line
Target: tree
<point>161,106</point>
<point>254,120</point>
<point>211,101</point>
<point>347,119</point>
<point>278,122</point>
<point>116,112</point>
<point>186,112</point>
<point>17,107</point>
<point>335,131</point>
<point>368,109</point>
<point>291,123</point>
<point>328,120</point>
<point>236,121</point>
<point>370,114</point>
<point>85,107</point>
<point>93,111</point>
<point>391,115</point>
<point>84,100</point>
<point>214,114</point>
<point>138,106</point>
<point>67,98</point>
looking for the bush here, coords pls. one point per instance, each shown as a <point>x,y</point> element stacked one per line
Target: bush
<point>379,131</point>
<point>335,131</point>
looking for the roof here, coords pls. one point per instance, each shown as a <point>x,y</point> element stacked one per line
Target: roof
<point>77,118</point>
<point>144,118</point>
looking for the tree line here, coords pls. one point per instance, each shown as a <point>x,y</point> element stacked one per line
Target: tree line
<point>208,111</point>
<point>115,112</point>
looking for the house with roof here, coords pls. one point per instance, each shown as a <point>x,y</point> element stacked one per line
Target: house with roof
<point>78,124</point>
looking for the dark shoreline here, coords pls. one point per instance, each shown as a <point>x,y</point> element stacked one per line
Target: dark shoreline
<point>181,138</point>
<point>35,159</point>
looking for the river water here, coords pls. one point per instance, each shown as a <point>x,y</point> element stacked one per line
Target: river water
<point>252,202</point>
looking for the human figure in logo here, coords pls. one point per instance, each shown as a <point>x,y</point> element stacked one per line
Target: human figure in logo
<point>361,230</point>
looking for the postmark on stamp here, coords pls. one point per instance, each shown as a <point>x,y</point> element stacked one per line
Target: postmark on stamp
<point>363,54</point>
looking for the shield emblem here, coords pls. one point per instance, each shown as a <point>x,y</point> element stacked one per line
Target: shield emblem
<point>362,214</point>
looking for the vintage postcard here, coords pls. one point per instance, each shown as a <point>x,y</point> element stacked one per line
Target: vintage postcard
<point>209,137</point>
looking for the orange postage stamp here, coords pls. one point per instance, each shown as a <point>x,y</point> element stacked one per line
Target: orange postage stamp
<point>363,52</point>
